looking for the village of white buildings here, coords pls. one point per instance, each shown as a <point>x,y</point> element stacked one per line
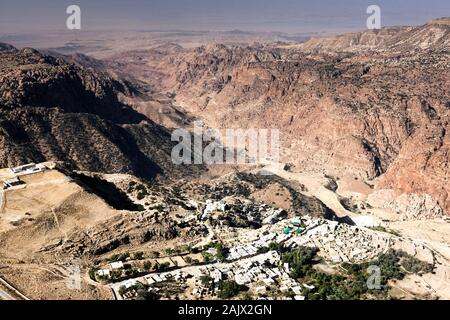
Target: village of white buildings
<point>251,262</point>
<point>247,257</point>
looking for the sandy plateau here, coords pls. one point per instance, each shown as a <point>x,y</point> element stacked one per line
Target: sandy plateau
<point>38,214</point>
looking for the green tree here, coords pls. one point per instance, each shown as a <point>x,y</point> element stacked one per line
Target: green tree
<point>222,252</point>
<point>206,280</point>
<point>147,265</point>
<point>93,273</point>
<point>138,255</point>
<point>228,289</point>
<point>122,290</point>
<point>246,296</point>
<point>155,254</point>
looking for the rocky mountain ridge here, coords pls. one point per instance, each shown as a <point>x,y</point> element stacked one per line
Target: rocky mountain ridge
<point>381,117</point>
<point>53,110</point>
<point>434,35</point>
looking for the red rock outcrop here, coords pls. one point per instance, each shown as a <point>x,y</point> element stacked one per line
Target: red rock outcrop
<point>380,111</point>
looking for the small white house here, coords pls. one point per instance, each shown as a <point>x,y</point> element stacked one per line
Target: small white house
<point>12,183</point>
<point>116,265</point>
<point>104,273</point>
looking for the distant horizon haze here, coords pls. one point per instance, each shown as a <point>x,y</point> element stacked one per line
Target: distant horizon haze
<point>288,16</point>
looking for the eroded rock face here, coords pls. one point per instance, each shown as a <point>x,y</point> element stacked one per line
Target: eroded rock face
<point>422,165</point>
<point>4,47</point>
<point>433,35</point>
<point>375,115</point>
<point>52,110</point>
<point>407,206</point>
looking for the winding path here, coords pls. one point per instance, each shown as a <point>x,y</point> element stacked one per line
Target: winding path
<point>5,295</point>
<point>2,202</point>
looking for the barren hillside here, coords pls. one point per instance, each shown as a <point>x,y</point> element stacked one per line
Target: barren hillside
<point>382,117</point>
<point>53,110</point>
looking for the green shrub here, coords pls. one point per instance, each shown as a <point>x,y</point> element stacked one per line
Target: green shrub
<point>155,254</point>
<point>229,289</point>
<point>147,265</point>
<point>138,255</point>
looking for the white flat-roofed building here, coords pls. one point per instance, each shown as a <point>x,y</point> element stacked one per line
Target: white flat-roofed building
<point>104,272</point>
<point>23,168</point>
<point>28,169</point>
<point>12,183</point>
<point>116,265</point>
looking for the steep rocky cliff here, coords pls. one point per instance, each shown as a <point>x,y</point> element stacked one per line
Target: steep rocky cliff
<point>379,111</point>
<point>52,110</point>
<point>433,35</point>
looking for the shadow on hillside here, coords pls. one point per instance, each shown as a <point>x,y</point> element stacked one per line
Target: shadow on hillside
<point>115,197</point>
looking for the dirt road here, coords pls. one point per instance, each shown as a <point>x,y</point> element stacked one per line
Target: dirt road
<point>1,200</point>
<point>5,295</point>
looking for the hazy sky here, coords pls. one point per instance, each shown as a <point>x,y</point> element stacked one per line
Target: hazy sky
<point>293,16</point>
